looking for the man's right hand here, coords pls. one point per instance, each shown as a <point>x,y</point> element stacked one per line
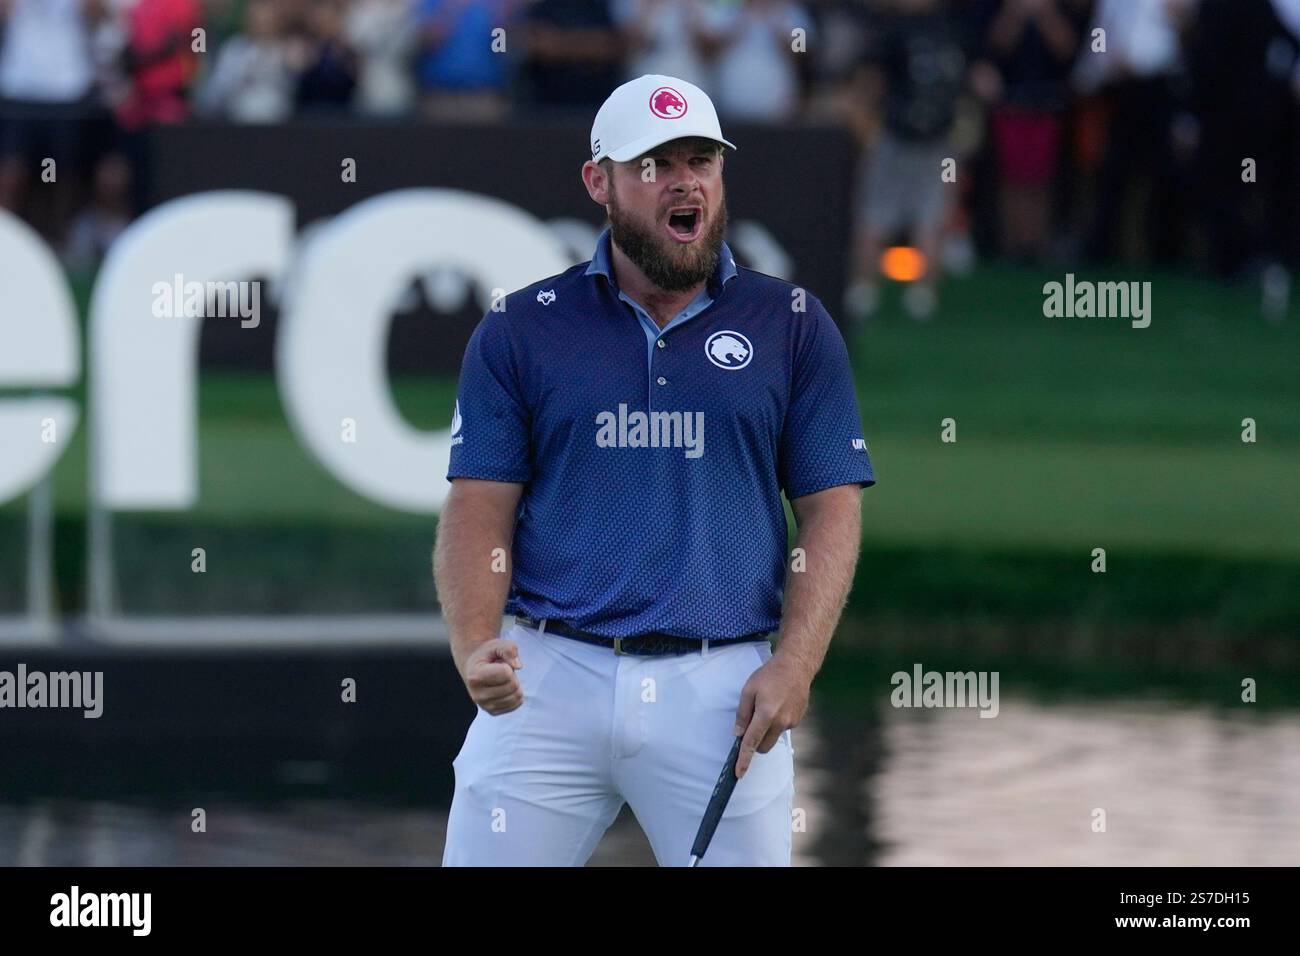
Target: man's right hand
<point>490,676</point>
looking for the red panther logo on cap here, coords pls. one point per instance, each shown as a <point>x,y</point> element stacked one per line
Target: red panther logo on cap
<point>667,103</point>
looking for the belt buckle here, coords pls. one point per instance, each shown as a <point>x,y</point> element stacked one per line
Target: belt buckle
<point>618,648</point>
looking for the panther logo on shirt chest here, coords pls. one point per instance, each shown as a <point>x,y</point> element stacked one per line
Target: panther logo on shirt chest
<point>729,350</point>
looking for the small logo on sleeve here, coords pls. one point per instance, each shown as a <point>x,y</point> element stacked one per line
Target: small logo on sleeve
<point>456,436</point>
<point>859,444</point>
<point>546,296</point>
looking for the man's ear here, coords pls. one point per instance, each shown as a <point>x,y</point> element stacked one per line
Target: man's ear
<point>596,179</point>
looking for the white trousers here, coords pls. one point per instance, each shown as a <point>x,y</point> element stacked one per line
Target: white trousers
<point>540,785</point>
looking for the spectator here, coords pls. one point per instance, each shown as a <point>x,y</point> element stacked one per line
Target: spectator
<point>108,42</point>
<point>1285,206</point>
<point>461,76</point>
<point>160,62</point>
<point>253,81</point>
<point>665,37</point>
<point>573,54</point>
<point>1137,75</point>
<point>919,66</point>
<point>295,20</point>
<point>329,67</point>
<point>1033,44</point>
<point>108,214</point>
<point>383,35</point>
<point>845,30</point>
<point>1245,78</point>
<point>46,99</point>
<point>45,58</point>
<point>112,180</point>
<point>755,73</point>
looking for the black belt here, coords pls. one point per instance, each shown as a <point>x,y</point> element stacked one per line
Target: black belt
<point>644,645</point>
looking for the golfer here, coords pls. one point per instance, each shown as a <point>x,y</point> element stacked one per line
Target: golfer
<point>622,437</point>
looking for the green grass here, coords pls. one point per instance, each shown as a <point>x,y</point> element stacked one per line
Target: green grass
<point>993,362</point>
<point>1072,434</point>
<point>859,673</point>
<point>999,493</point>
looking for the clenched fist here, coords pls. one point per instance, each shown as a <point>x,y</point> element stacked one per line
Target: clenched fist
<point>490,676</point>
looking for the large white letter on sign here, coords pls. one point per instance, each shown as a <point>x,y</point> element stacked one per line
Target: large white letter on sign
<point>332,350</point>
<point>144,367</point>
<point>38,348</point>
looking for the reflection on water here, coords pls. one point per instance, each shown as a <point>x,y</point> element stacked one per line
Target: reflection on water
<point>1179,786</point>
<point>308,833</point>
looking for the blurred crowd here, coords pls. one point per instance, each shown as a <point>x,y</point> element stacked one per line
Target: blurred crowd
<point>1081,130</point>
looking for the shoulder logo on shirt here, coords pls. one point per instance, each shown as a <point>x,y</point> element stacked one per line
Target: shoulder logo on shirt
<point>859,444</point>
<point>546,296</point>
<point>729,350</point>
<point>456,436</point>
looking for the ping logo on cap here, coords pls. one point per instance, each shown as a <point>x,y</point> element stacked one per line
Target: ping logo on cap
<point>667,103</point>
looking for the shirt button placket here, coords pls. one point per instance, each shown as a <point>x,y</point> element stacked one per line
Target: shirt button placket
<point>660,343</point>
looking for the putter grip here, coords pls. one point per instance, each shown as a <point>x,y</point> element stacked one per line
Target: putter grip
<point>717,802</point>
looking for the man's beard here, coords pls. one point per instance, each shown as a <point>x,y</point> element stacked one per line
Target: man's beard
<point>671,266</point>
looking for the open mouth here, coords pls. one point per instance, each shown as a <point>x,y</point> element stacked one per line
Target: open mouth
<point>684,223</point>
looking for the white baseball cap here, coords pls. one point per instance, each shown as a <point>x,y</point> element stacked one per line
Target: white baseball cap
<point>649,111</point>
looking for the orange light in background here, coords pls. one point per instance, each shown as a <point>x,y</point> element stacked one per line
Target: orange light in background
<point>902,264</point>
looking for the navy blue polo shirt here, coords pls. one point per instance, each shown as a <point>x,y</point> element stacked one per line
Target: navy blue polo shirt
<point>653,461</point>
